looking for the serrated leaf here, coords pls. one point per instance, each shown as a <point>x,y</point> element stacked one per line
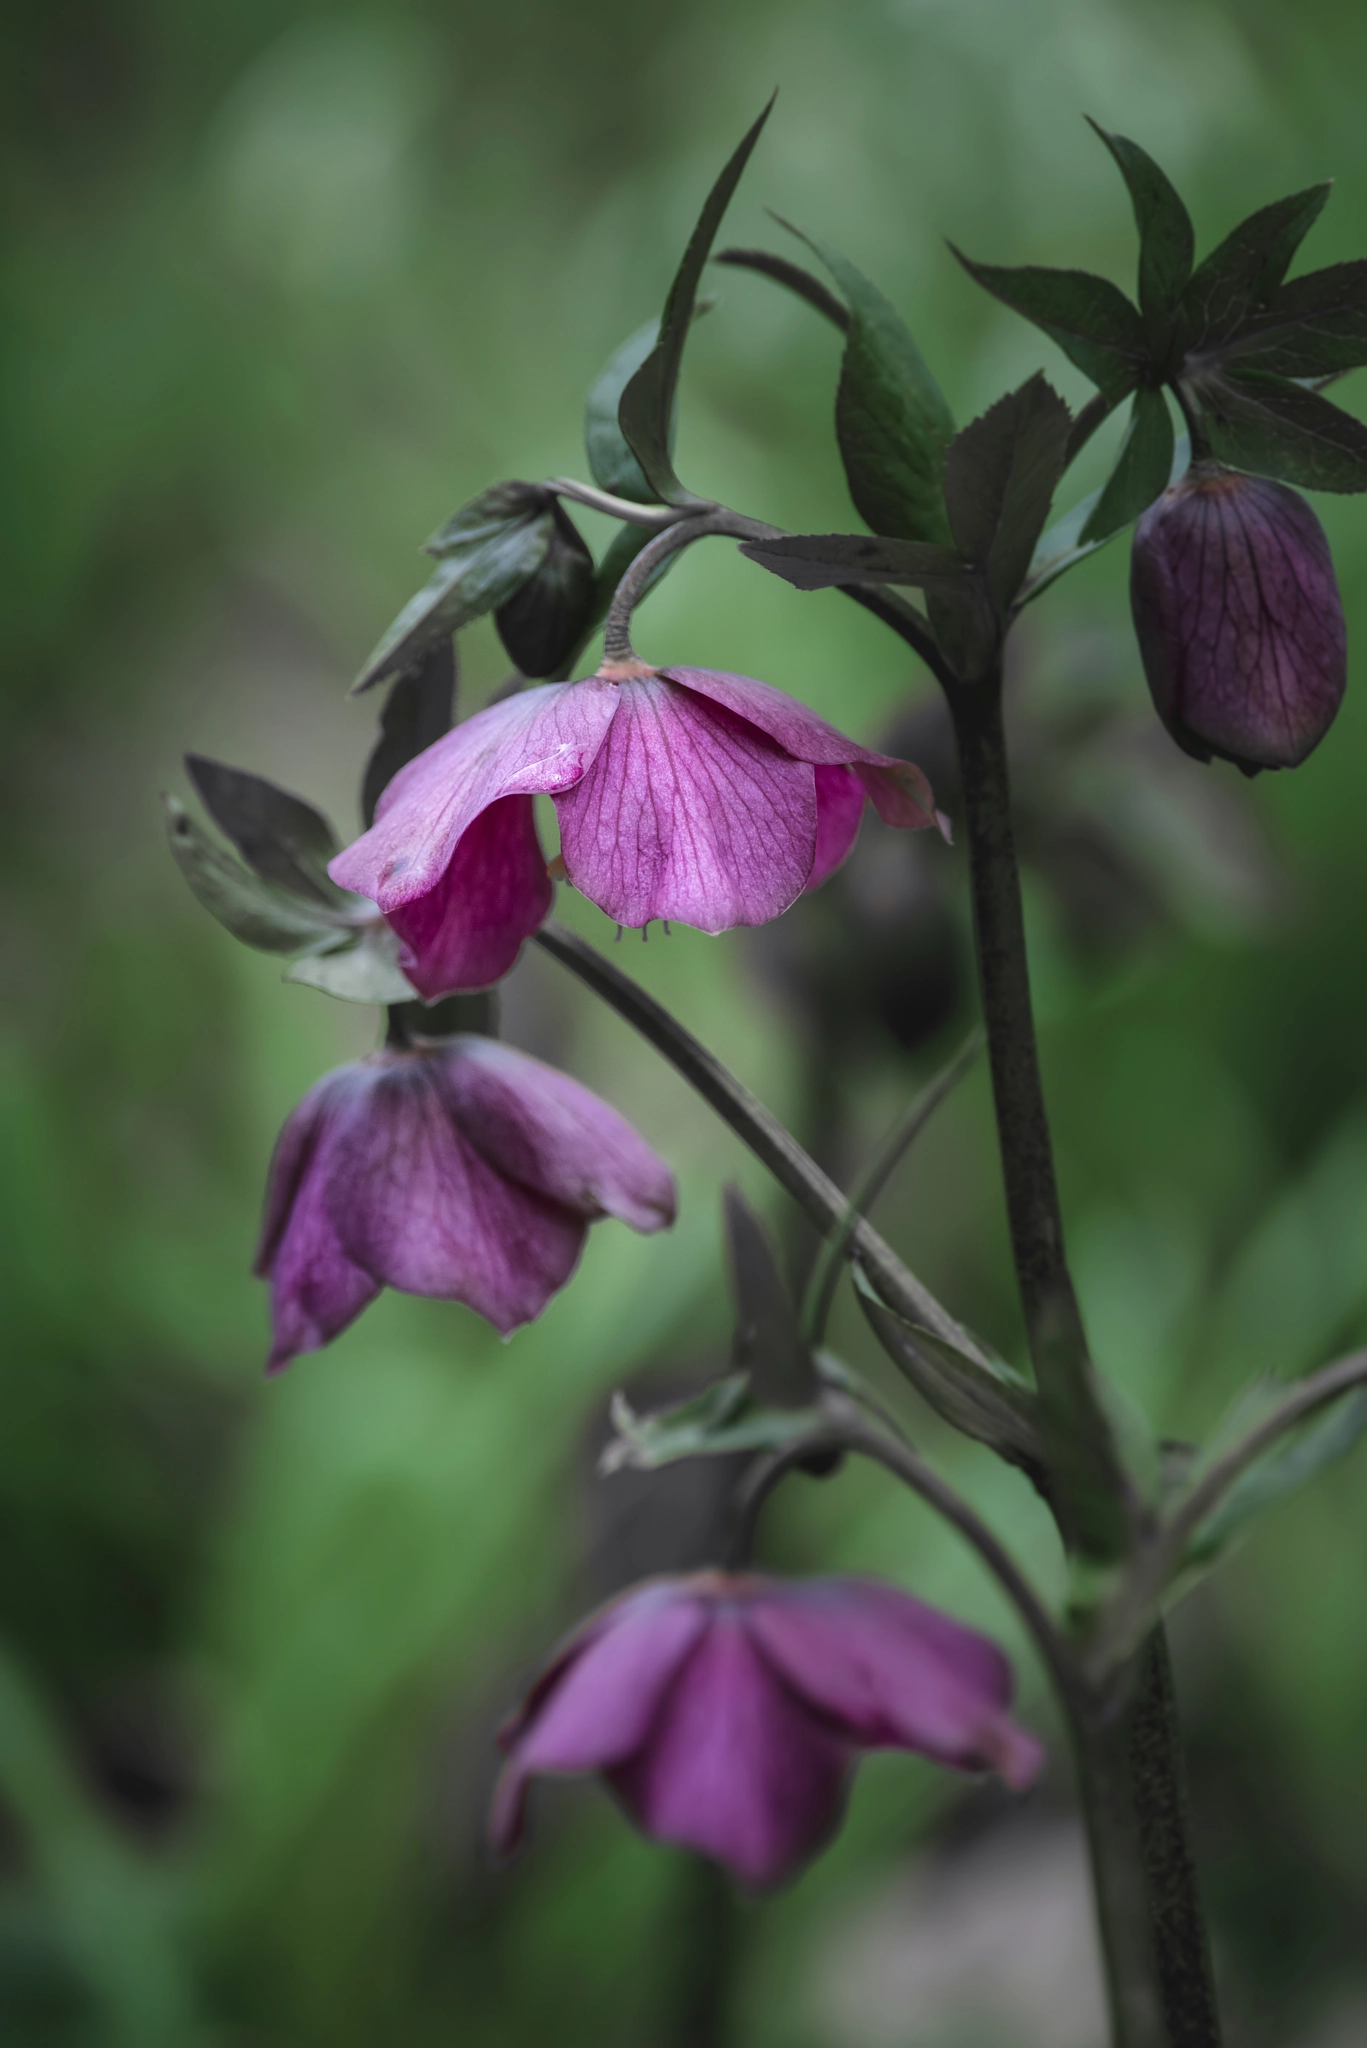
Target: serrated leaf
<point>720,1420</point>
<point>1061,548</point>
<point>253,910</point>
<point>646,408</point>
<point>467,583</point>
<point>418,710</point>
<point>1141,473</point>
<point>486,517</point>
<point>364,971</point>
<point>1279,429</point>
<point>1323,1440</point>
<point>768,1342</point>
<point>1316,326</point>
<point>1240,276</point>
<point>280,836</point>
<point>611,461</point>
<point>891,419</point>
<point>1167,241</point>
<point>825,561</point>
<point>1090,318</point>
<point>542,624</point>
<point>1000,477</point>
<point>792,275</point>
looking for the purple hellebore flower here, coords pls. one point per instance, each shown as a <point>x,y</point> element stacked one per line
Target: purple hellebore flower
<point>457,1168</point>
<point>681,793</point>
<point>1239,621</point>
<point>726,1710</point>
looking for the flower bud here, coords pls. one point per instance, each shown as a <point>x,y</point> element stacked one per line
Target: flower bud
<point>1238,616</point>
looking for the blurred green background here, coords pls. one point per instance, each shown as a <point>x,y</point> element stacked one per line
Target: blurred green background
<point>284,285</point>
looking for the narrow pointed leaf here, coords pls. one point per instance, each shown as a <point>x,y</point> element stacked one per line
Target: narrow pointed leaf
<point>1141,472</point>
<point>614,466</point>
<point>797,280</point>
<point>1000,477</point>
<point>1167,242</point>
<point>1328,1437</point>
<point>768,1341</point>
<point>719,1421</point>
<point>1241,275</point>
<point>1061,548</point>
<point>1316,326</point>
<point>364,971</point>
<point>645,411</point>
<point>1090,318</point>
<point>418,710</point>
<point>469,582</point>
<point>542,624</point>
<point>1276,428</point>
<point>253,910</point>
<point>825,561</point>
<point>280,836</point>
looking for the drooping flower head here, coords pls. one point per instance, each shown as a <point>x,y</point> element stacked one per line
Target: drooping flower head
<point>681,793</point>
<point>457,1168</point>
<point>726,1710</point>
<point>1238,616</point>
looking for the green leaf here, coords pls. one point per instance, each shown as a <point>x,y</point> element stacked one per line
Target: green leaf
<point>1276,428</point>
<point>1301,1457</point>
<point>1000,476</point>
<point>418,710</point>
<point>1167,241</point>
<point>989,1403</point>
<point>768,1343</point>
<point>794,277</point>
<point>826,561</point>
<point>487,516</point>
<point>720,1420</point>
<point>1061,548</point>
<point>282,838</point>
<point>472,579</point>
<point>1316,326</point>
<point>364,971</point>
<point>1090,318</point>
<point>646,409</point>
<point>1237,279</point>
<point>253,910</point>
<point>1142,469</point>
<point>544,622</point>
<point>614,466</point>
<point>891,419</point>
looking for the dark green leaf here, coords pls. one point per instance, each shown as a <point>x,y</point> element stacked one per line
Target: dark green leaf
<point>475,580</point>
<point>1000,476</point>
<point>646,409</point>
<point>1327,1437</point>
<point>544,622</point>
<point>614,466</point>
<point>417,711</point>
<point>278,835</point>
<point>487,516</point>
<point>1237,279</point>
<point>1279,429</point>
<point>1167,243</point>
<point>768,1341</point>
<point>255,911</point>
<point>1062,547</point>
<point>1316,326</point>
<point>825,561</point>
<point>1090,318</point>
<point>794,277</point>
<point>721,1419</point>
<point>365,970</point>
<point>891,419</point>
<point>1141,472</point>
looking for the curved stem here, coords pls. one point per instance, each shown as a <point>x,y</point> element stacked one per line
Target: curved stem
<point>714,519</point>
<point>759,1482</point>
<point>616,508</point>
<point>760,1129</point>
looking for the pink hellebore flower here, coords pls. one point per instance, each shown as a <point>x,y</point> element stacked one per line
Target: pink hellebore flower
<point>725,1711</point>
<point>457,1168</point>
<point>681,793</point>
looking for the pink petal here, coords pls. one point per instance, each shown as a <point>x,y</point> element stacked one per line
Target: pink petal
<point>316,1290</point>
<point>604,1695</point>
<point>539,1127</point>
<point>688,812</point>
<point>839,808</point>
<point>535,743</point>
<point>734,1766</point>
<point>892,1673</point>
<point>467,931</point>
<point>414,1203</point>
<point>898,790</point>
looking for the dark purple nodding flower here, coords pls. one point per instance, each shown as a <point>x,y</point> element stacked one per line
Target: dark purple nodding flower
<point>711,799</point>
<point>1239,621</point>
<point>460,1169</point>
<point>726,1710</point>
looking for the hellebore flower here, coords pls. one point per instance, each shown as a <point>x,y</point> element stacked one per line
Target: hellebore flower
<point>681,793</point>
<point>726,1710</point>
<point>457,1168</point>
<point>1238,616</point>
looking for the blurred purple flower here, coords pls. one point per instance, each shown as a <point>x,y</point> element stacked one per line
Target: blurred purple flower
<point>1239,620</point>
<point>457,1168</point>
<point>681,793</point>
<point>725,1711</point>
